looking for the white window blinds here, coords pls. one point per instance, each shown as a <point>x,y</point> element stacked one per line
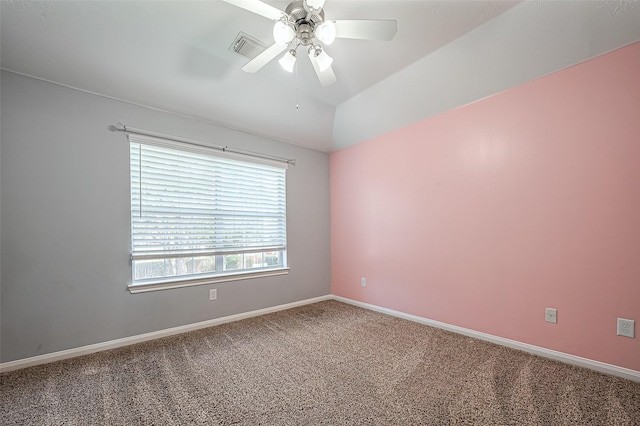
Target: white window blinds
<point>188,200</point>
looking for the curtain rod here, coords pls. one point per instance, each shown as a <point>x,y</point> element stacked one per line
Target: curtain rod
<point>128,129</point>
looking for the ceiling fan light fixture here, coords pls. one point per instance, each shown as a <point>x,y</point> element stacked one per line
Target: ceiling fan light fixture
<point>322,59</point>
<point>282,33</point>
<point>326,32</point>
<point>288,60</point>
<point>303,23</point>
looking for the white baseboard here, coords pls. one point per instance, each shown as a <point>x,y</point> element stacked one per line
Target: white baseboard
<point>601,367</point>
<point>112,344</point>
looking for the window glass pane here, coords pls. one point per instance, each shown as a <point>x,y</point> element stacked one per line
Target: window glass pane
<point>173,267</point>
<point>233,262</point>
<point>145,269</point>
<point>272,258</point>
<point>158,268</point>
<point>253,260</point>
<point>204,264</point>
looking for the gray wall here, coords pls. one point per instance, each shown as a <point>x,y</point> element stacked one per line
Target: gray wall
<point>0,223</point>
<point>65,224</point>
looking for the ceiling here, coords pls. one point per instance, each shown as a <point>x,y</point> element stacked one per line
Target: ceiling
<point>175,56</point>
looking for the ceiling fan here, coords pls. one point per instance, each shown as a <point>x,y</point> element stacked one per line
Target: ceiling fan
<point>303,24</point>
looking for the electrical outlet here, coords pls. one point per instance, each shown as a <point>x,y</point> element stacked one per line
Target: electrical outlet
<point>626,327</point>
<point>363,282</point>
<point>213,294</point>
<point>551,315</point>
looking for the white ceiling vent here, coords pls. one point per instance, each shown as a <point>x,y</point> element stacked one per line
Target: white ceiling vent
<point>247,46</point>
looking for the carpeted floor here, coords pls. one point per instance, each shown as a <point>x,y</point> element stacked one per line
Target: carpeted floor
<point>322,364</point>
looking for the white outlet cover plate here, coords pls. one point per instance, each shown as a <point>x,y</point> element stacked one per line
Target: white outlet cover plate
<point>213,294</point>
<point>363,282</point>
<point>626,327</point>
<point>551,315</point>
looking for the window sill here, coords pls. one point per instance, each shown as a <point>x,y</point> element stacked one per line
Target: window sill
<point>165,284</point>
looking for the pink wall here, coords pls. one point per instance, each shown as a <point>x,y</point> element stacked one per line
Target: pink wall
<point>483,216</point>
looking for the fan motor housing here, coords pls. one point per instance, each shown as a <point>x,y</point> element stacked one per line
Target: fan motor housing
<point>304,22</point>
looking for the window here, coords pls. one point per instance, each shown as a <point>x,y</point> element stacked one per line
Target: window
<point>199,215</point>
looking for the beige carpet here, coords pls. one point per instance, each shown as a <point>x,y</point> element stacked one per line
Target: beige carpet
<point>322,364</point>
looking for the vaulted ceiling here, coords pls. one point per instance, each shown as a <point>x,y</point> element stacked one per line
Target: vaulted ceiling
<point>176,56</point>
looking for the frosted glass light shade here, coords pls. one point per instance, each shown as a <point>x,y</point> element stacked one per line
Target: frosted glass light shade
<point>288,61</point>
<point>315,4</point>
<point>282,33</point>
<point>324,60</point>
<point>326,32</point>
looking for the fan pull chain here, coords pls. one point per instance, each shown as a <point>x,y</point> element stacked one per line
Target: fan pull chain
<point>297,98</point>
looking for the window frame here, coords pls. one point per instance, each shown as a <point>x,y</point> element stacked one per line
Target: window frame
<point>178,281</point>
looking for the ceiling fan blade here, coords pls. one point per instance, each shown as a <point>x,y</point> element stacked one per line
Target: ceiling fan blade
<point>259,7</point>
<point>264,58</point>
<point>326,77</point>
<point>381,30</point>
